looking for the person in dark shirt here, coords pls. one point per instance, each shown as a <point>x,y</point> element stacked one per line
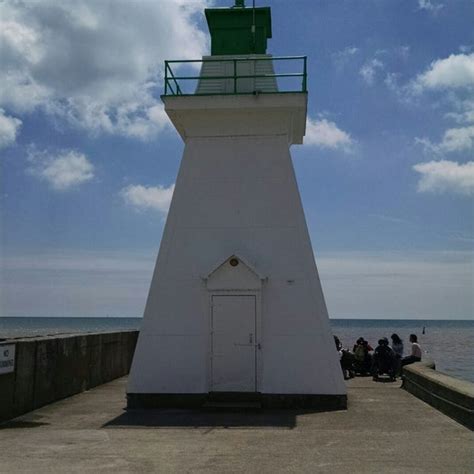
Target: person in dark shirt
<point>384,361</point>
<point>362,356</point>
<point>397,347</point>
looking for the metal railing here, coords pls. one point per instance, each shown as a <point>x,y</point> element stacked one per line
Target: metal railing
<point>172,81</point>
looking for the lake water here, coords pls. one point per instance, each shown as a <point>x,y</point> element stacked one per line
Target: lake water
<point>448,343</point>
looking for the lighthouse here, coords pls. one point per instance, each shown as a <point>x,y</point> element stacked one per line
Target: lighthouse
<point>235,309</point>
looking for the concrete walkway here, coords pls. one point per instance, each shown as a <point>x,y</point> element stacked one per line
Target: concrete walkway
<point>385,429</point>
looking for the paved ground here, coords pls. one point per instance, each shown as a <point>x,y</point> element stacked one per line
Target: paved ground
<point>385,429</point>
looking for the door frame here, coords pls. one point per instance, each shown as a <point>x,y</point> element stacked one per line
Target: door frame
<point>258,333</point>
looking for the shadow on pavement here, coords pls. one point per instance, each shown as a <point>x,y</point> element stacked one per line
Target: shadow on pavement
<point>21,424</point>
<point>385,380</point>
<point>182,418</point>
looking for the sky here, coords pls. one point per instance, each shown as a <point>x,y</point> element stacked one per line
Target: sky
<point>89,159</point>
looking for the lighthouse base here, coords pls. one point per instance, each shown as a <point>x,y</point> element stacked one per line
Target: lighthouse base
<point>228,399</point>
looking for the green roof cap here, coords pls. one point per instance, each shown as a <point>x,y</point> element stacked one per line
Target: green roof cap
<point>232,33</point>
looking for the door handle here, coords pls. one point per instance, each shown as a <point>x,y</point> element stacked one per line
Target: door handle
<point>258,346</point>
<point>250,343</point>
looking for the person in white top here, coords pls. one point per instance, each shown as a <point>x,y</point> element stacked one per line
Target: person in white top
<point>415,355</point>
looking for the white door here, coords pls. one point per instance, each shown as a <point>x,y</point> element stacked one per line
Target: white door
<point>233,344</point>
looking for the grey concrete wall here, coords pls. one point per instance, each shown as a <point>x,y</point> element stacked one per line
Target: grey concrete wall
<point>51,368</point>
<point>453,397</point>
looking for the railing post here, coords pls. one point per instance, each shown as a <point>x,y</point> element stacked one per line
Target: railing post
<point>235,76</point>
<point>305,73</point>
<point>169,77</point>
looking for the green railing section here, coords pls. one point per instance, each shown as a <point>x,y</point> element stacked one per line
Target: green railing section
<point>175,87</point>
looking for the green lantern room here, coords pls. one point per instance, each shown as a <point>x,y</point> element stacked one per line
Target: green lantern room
<point>239,62</point>
<point>239,30</point>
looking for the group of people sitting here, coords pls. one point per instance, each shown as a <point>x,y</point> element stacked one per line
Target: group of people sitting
<point>386,358</point>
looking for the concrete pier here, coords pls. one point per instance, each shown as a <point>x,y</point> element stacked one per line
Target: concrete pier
<point>385,429</point>
<point>450,395</point>
<point>49,368</point>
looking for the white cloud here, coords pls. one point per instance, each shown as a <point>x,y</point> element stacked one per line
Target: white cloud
<point>391,81</point>
<point>9,127</point>
<point>363,284</point>
<point>464,111</point>
<point>64,170</point>
<point>466,48</point>
<point>97,65</point>
<point>403,51</point>
<point>140,197</point>
<point>340,58</point>
<point>326,134</point>
<point>455,71</point>
<point>393,219</point>
<point>446,176</point>
<point>454,140</point>
<point>458,139</point>
<point>370,69</point>
<point>454,76</point>
<point>430,6</point>
<point>76,283</point>
<point>398,284</point>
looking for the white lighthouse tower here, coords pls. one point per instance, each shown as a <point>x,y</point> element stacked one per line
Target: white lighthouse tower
<point>236,309</point>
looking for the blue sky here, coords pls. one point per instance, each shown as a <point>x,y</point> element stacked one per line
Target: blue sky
<point>89,159</point>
